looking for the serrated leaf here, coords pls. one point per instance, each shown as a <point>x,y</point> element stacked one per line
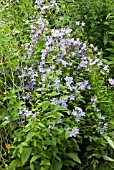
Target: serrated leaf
<point>58,165</point>
<point>69,163</point>
<point>74,157</point>
<point>25,155</point>
<point>107,158</point>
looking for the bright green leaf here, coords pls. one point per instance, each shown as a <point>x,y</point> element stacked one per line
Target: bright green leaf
<point>34,158</point>
<point>32,166</point>
<point>45,105</point>
<point>25,155</point>
<point>108,139</point>
<point>107,158</point>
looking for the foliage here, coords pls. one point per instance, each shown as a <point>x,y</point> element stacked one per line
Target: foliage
<point>98,17</point>
<point>56,93</point>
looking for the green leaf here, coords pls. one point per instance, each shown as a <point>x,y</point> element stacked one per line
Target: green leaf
<point>32,166</point>
<point>108,139</point>
<point>21,149</point>
<point>74,157</point>
<point>58,165</point>
<point>14,164</point>
<point>45,105</point>
<point>110,49</point>
<point>105,39</point>
<point>66,134</point>
<point>69,163</point>
<point>41,124</point>
<point>54,150</point>
<point>48,142</point>
<point>5,122</point>
<point>107,158</point>
<point>25,155</point>
<point>105,61</point>
<point>30,135</point>
<point>34,158</point>
<point>53,94</point>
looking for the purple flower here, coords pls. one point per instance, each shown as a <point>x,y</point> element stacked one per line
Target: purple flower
<point>49,40</point>
<point>111,81</point>
<point>101,117</point>
<point>51,126</point>
<point>64,63</point>
<point>72,97</point>
<point>26,97</point>
<point>56,33</point>
<point>69,80</point>
<point>25,113</point>
<point>74,132</point>
<point>103,128</point>
<point>77,42</point>
<point>77,23</point>
<point>63,102</point>
<point>82,85</point>
<point>106,68</point>
<point>78,113</point>
<point>34,115</point>
<point>58,120</point>
<point>94,102</point>
<point>57,81</point>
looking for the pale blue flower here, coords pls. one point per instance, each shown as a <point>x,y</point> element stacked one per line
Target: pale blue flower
<point>74,132</point>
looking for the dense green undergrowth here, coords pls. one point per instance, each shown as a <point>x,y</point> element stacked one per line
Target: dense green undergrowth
<point>56,85</point>
<point>99,28</point>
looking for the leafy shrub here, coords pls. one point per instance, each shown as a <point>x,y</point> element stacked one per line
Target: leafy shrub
<point>56,102</point>
<point>99,19</point>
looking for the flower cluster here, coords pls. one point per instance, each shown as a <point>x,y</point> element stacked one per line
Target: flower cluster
<point>78,113</point>
<point>26,113</point>
<point>63,67</point>
<point>40,4</point>
<point>36,31</point>
<point>73,133</point>
<point>27,78</point>
<point>102,126</point>
<point>94,102</point>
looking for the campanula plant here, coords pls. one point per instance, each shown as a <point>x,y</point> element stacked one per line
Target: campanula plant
<point>55,106</point>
